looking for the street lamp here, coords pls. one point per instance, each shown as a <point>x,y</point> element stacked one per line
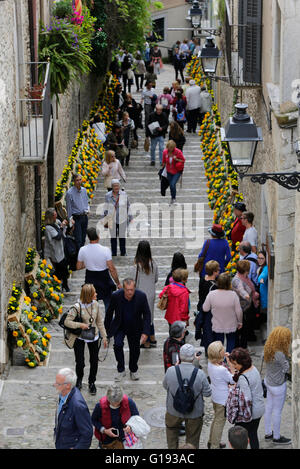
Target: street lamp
<point>209,56</point>
<point>242,137</point>
<point>196,14</point>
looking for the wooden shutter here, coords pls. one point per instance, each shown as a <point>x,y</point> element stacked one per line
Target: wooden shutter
<point>240,28</point>
<point>252,40</point>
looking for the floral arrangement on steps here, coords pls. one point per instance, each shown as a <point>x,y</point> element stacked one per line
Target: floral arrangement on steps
<point>88,152</point>
<point>29,313</point>
<point>222,183</point>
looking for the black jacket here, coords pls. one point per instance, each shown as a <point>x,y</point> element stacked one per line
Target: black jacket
<point>142,314</point>
<point>163,122</point>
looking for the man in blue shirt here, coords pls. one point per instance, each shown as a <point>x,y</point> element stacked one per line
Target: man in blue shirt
<point>77,202</point>
<point>247,254</point>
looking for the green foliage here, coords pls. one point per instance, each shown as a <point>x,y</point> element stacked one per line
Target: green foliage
<point>221,11</point>
<point>68,46</point>
<point>63,9</point>
<point>134,21</point>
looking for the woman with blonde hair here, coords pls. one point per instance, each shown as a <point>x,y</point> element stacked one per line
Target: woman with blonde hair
<point>220,377</point>
<point>173,161</point>
<point>88,309</point>
<point>112,169</point>
<point>276,357</point>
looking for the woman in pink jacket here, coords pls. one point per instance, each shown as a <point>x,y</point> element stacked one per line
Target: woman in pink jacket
<point>227,314</point>
<point>178,297</point>
<point>173,161</point>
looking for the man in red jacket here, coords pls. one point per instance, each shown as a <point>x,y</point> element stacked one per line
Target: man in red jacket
<point>238,229</point>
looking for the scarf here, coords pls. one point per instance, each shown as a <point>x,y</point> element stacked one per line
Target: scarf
<point>254,295</point>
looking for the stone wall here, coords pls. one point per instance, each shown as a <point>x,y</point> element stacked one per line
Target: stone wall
<point>69,114</point>
<point>17,215</point>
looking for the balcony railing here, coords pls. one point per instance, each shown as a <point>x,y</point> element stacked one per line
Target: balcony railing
<point>35,114</point>
<point>243,36</point>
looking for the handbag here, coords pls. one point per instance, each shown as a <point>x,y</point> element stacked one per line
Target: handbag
<point>124,151</point>
<point>200,262</point>
<point>163,301</point>
<point>146,144</point>
<point>237,408</point>
<point>88,334</point>
<point>66,329</point>
<point>110,218</point>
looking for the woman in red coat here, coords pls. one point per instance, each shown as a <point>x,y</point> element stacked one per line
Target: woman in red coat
<point>173,161</point>
<point>178,297</point>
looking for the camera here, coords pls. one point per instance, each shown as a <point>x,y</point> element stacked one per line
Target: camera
<point>115,431</point>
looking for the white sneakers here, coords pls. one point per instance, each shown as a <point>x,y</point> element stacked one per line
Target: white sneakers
<point>122,374</point>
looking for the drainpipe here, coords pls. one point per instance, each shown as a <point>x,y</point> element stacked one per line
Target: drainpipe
<point>32,11</point>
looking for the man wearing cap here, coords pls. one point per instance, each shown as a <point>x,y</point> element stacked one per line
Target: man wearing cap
<point>117,211</point>
<point>173,344</point>
<point>238,229</point>
<point>194,419</point>
<point>193,105</point>
<point>215,249</point>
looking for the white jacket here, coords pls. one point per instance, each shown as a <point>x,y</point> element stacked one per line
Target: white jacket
<point>193,97</point>
<point>205,102</point>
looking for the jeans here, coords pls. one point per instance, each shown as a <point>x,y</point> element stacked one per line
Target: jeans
<point>79,359</point>
<point>230,339</point>
<point>193,429</point>
<point>173,179</point>
<point>80,227</point>
<point>160,141</point>
<point>134,350</point>
<point>275,401</point>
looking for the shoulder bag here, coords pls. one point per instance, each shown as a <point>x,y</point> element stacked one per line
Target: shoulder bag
<point>89,334</point>
<point>200,262</point>
<point>237,408</point>
<point>163,301</point>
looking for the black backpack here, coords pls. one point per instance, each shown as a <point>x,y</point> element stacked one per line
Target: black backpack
<point>184,399</point>
<point>77,319</point>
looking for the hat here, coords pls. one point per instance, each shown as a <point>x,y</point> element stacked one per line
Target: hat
<point>187,352</point>
<point>115,181</point>
<point>217,230</point>
<point>177,329</point>
<point>240,206</point>
<point>192,82</point>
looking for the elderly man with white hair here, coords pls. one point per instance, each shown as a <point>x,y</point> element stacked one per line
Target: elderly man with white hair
<point>193,105</point>
<point>117,215</point>
<point>110,418</point>
<point>176,379</point>
<point>73,425</point>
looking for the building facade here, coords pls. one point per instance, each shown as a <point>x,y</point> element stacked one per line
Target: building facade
<point>36,136</point>
<point>260,67</point>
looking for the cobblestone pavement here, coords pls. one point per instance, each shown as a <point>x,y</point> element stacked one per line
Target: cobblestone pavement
<point>27,397</point>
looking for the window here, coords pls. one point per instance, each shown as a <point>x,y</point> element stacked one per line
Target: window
<point>159,29</point>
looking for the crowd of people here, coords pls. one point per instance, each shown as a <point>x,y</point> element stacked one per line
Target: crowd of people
<point>229,310</point>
